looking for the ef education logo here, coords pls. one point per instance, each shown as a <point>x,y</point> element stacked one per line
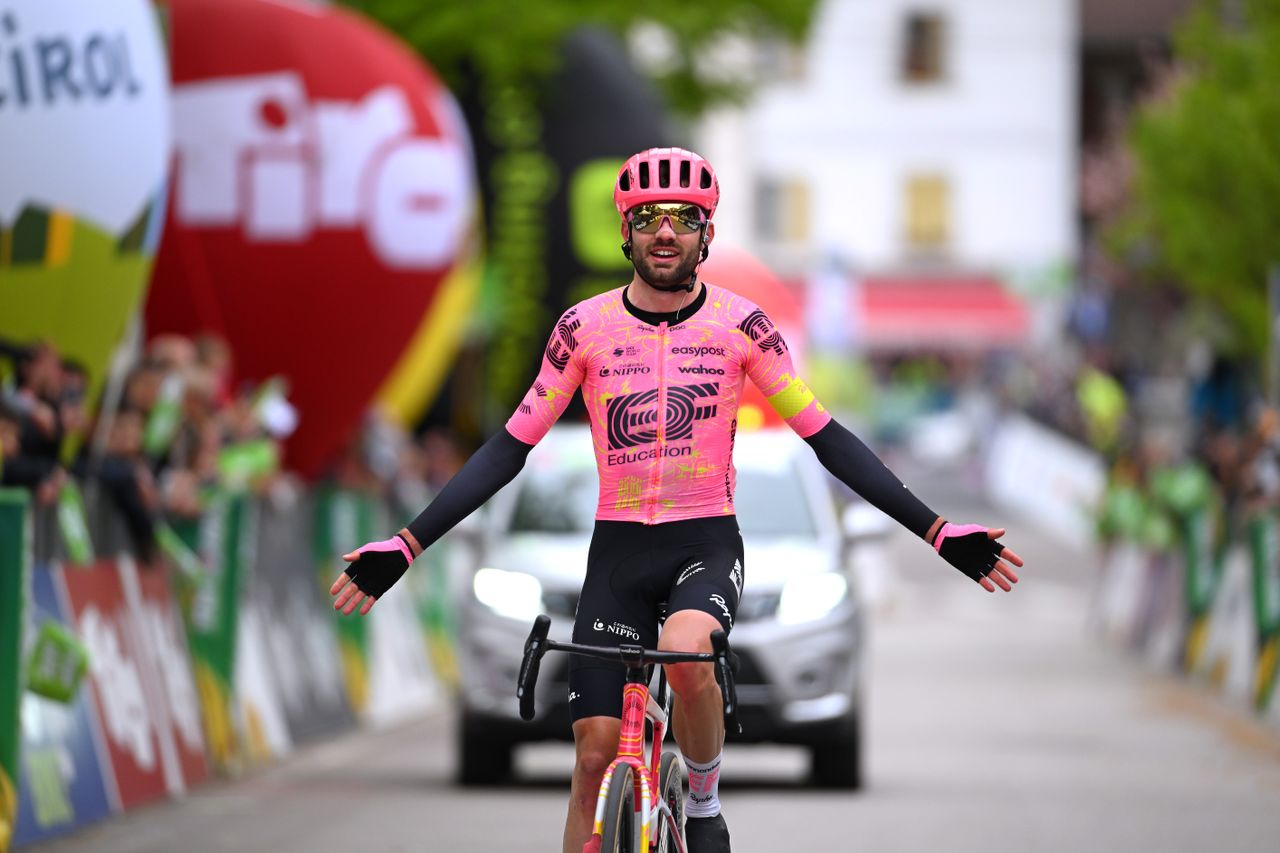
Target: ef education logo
<point>563,342</point>
<point>633,418</point>
<point>760,329</point>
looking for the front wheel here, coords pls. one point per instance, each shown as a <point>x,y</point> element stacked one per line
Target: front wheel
<point>671,787</point>
<point>619,830</point>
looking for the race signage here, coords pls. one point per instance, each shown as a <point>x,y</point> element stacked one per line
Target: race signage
<point>320,212</point>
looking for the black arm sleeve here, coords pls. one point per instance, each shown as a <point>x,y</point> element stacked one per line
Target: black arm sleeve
<point>490,468</point>
<point>852,462</point>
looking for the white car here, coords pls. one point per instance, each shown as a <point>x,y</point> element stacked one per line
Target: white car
<point>798,630</point>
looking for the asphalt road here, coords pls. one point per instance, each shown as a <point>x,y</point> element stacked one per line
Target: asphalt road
<point>995,723</point>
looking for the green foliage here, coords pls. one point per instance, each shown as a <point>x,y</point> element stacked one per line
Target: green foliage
<point>500,41</point>
<point>1208,164</point>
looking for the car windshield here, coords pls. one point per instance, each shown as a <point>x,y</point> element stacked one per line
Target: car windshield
<point>771,503</point>
<point>556,501</point>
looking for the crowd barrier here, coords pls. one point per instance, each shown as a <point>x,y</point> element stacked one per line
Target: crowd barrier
<point>124,683</point>
<point>1180,581</point>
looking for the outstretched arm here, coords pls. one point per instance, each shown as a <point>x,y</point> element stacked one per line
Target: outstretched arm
<point>852,463</point>
<point>969,547</point>
<point>375,567</point>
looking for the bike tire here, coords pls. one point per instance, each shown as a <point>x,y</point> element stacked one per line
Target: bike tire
<point>671,787</point>
<point>618,832</point>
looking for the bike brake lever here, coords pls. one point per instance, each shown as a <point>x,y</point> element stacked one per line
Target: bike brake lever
<point>726,664</point>
<point>534,648</point>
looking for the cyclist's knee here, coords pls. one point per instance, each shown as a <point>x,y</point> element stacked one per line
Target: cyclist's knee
<point>596,745</point>
<point>689,631</point>
<point>688,680</point>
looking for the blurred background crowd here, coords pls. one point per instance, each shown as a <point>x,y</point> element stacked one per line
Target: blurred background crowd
<point>1113,300</point>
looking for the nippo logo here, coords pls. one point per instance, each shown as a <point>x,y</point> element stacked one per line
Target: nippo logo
<point>255,152</point>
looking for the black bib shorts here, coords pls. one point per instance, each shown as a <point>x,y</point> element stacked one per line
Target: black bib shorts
<point>636,571</point>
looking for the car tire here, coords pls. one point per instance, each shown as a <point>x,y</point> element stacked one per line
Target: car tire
<point>836,762</point>
<point>482,758</point>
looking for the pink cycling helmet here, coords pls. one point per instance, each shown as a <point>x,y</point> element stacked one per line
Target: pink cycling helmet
<point>666,174</point>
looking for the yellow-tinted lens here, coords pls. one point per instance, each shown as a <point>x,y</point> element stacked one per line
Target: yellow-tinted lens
<point>684,218</point>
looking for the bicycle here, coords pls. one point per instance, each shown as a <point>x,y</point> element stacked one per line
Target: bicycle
<point>627,820</point>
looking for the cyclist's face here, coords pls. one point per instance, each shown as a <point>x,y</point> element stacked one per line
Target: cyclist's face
<point>666,242</point>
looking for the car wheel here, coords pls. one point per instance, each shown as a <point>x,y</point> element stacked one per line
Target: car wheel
<point>836,762</point>
<point>482,758</point>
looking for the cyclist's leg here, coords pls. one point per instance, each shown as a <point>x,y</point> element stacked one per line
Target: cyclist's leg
<point>618,604</point>
<point>697,715</point>
<point>596,743</point>
<point>704,597</point>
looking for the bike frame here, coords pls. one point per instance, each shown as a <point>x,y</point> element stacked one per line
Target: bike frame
<point>638,705</point>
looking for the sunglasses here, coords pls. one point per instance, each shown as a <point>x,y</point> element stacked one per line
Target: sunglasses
<point>684,218</point>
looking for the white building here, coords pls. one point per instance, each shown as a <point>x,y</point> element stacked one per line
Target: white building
<point>933,137</point>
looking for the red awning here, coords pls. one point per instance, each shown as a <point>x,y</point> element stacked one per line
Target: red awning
<point>972,313</point>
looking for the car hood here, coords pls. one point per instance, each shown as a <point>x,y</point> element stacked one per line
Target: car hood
<point>559,560</point>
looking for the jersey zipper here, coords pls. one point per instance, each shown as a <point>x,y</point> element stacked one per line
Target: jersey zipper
<point>655,468</point>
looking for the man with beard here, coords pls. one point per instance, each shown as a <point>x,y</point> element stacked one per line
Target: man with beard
<point>661,364</point>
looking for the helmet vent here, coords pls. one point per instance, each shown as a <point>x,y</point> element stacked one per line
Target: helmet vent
<point>684,173</point>
<point>706,179</point>
<point>624,181</point>
<point>644,176</point>
<point>664,173</point>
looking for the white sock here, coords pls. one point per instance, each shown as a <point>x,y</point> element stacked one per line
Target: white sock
<point>704,788</point>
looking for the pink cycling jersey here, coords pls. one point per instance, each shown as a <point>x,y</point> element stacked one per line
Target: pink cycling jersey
<point>663,400</point>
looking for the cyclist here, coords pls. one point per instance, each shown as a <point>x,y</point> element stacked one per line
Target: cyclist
<point>661,363</point>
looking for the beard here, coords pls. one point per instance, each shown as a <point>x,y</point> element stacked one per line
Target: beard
<point>668,278</point>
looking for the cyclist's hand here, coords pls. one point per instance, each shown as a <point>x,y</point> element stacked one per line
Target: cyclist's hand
<point>373,570</point>
<point>973,549</point>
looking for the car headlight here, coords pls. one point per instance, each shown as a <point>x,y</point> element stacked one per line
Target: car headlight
<point>516,595</point>
<point>810,597</point>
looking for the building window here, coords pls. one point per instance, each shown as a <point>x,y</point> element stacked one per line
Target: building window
<point>923,54</point>
<point>782,210</point>
<point>928,212</point>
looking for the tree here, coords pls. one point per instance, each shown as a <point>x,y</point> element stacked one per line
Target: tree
<point>515,71</point>
<point>1207,152</point>
<point>495,41</point>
